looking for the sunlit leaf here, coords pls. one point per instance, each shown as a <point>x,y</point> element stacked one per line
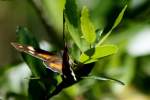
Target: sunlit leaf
<point>117,21</point>
<point>119,18</point>
<point>74,33</point>
<point>87,27</point>
<point>94,54</point>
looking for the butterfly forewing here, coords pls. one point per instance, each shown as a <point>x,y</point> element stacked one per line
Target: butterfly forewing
<point>52,61</point>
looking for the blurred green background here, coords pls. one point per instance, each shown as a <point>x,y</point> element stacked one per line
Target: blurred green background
<point>131,64</point>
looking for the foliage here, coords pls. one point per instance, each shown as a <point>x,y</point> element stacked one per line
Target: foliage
<point>87,27</point>
<point>43,86</point>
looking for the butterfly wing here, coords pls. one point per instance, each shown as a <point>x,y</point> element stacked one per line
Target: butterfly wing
<point>52,61</point>
<point>66,66</point>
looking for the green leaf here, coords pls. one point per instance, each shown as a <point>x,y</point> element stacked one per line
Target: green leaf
<point>25,37</point>
<point>37,88</point>
<point>94,54</point>
<point>71,18</point>
<point>104,79</point>
<point>117,21</point>
<point>74,33</point>
<point>87,27</point>
<point>119,18</point>
<point>71,12</point>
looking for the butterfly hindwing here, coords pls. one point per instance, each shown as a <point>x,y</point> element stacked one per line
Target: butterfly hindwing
<point>66,66</point>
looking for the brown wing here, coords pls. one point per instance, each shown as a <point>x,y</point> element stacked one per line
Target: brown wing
<point>51,60</point>
<point>55,66</point>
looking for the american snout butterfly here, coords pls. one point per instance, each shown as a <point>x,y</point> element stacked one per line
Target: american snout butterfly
<point>52,61</point>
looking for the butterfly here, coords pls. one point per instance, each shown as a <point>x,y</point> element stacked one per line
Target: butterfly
<point>56,63</point>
